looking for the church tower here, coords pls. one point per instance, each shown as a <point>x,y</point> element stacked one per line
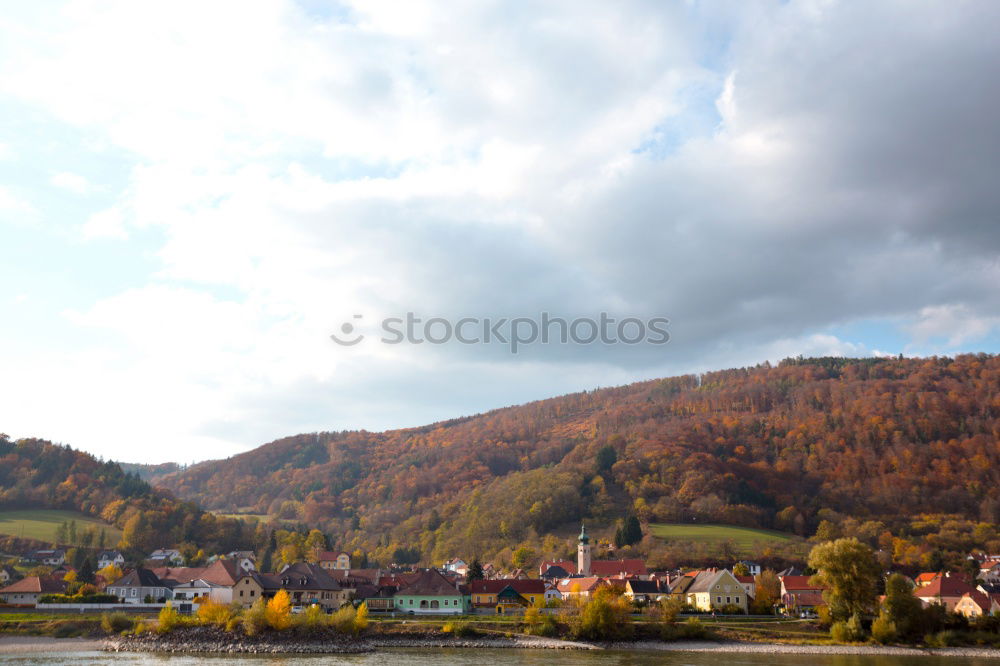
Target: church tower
<point>583,552</point>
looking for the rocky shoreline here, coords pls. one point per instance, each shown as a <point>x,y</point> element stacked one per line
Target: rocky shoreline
<point>211,640</point>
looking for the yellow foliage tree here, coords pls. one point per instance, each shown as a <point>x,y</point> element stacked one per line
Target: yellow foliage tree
<point>361,619</point>
<point>279,611</point>
<point>110,573</point>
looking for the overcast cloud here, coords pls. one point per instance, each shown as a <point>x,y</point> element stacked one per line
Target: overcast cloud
<point>195,196</point>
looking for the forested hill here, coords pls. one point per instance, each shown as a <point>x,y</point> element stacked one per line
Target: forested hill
<point>41,475</point>
<point>763,446</point>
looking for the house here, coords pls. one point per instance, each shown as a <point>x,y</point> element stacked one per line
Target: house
<point>140,586</point>
<point>749,584</point>
<point>8,575</point>
<point>306,584</point>
<point>26,591</point>
<point>432,594</point>
<point>974,604</point>
<point>946,589</point>
<point>581,587</point>
<point>713,590</point>
<point>457,565</point>
<point>107,558</point>
<point>484,592</point>
<point>552,592</point>
<point>752,567</point>
<point>989,570</point>
<point>798,593</point>
<point>644,591</point>
<point>245,559</point>
<point>167,556</point>
<point>200,590</point>
<point>50,558</point>
<point>328,559</point>
<point>223,574</point>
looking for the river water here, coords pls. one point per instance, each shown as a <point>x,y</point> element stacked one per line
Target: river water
<point>457,657</point>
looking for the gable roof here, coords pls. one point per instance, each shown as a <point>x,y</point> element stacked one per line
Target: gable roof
<point>800,583</point>
<point>643,586</point>
<point>943,586</point>
<point>36,584</point>
<point>221,572</point>
<point>566,565</point>
<point>430,583</point>
<point>585,584</point>
<point>520,585</point>
<point>299,576</point>
<point>140,578</point>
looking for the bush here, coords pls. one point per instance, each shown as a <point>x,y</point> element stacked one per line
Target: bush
<point>884,629</point>
<point>942,639</point>
<point>212,612</point>
<point>848,632</point>
<point>313,621</point>
<point>459,629</point>
<point>539,624</point>
<point>116,623</point>
<point>168,619</point>
<point>255,618</point>
<point>691,630</point>
<point>344,619</point>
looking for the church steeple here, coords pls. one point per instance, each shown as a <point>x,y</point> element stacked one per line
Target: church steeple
<point>583,552</point>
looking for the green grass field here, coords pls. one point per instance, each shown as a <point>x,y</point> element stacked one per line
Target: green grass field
<point>41,524</point>
<point>743,537</point>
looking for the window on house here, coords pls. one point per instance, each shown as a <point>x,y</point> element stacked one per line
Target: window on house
<point>251,593</point>
<point>718,600</point>
<point>737,600</point>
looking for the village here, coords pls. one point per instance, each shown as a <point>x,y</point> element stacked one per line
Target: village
<point>329,581</point>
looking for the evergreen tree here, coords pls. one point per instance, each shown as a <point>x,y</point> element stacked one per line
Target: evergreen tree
<point>632,530</point>
<point>86,572</point>
<point>266,560</point>
<point>475,570</point>
<point>72,532</point>
<point>62,533</point>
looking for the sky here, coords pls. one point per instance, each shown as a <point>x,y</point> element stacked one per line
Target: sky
<point>195,196</point>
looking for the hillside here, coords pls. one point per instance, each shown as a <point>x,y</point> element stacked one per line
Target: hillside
<point>38,478</point>
<point>765,447</point>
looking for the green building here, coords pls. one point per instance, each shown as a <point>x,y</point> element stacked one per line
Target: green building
<point>433,594</point>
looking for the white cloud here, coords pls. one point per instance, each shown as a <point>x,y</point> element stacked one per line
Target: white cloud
<point>956,323</point>
<point>70,181</point>
<point>483,160</point>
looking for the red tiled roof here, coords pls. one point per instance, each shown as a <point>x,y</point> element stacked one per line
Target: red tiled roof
<point>586,584</point>
<point>744,579</point>
<point>943,586</point>
<point>570,567</point>
<point>798,583</point>
<point>616,567</point>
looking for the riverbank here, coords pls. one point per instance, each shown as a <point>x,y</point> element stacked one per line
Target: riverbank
<point>35,644</point>
<point>212,640</point>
